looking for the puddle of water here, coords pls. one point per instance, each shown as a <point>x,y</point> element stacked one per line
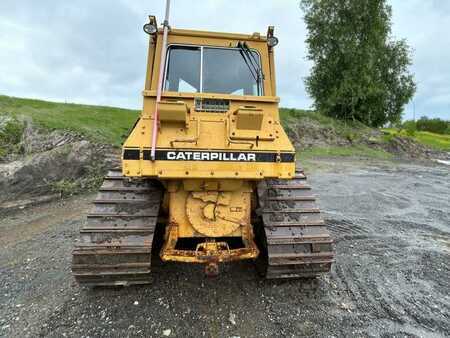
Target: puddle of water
<point>446,161</point>
<point>443,162</point>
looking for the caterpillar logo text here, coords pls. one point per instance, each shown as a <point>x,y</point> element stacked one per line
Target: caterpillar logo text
<point>210,156</point>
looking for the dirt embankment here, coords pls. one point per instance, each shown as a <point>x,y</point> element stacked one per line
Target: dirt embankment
<point>308,133</point>
<point>39,165</point>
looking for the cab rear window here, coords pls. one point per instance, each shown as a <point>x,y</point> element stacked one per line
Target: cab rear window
<point>213,70</point>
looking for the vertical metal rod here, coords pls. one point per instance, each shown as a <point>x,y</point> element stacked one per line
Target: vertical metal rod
<point>160,80</point>
<point>201,69</point>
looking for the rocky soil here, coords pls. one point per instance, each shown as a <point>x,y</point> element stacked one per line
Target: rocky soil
<point>307,133</point>
<point>40,165</point>
<point>405,147</point>
<point>391,224</point>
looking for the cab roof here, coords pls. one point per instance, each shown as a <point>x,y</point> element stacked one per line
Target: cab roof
<point>221,35</point>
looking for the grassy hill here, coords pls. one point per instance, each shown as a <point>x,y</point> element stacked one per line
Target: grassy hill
<point>432,140</point>
<point>102,124</point>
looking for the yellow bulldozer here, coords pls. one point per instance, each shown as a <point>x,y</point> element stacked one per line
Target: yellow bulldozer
<point>209,164</point>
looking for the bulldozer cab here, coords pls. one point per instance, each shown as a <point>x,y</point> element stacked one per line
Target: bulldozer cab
<point>218,110</point>
<point>213,63</point>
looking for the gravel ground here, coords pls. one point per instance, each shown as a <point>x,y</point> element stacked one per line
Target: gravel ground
<point>391,223</point>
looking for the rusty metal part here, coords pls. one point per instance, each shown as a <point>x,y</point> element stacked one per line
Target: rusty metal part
<point>209,250</point>
<point>116,243</point>
<point>212,269</point>
<point>292,236</point>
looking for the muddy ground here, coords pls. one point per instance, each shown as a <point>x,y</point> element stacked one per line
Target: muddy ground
<point>391,222</point>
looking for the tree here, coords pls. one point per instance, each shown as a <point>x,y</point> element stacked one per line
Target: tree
<point>359,71</point>
<point>435,125</point>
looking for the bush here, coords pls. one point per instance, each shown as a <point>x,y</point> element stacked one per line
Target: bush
<point>66,187</point>
<point>410,127</point>
<point>410,132</point>
<point>11,131</point>
<point>436,125</point>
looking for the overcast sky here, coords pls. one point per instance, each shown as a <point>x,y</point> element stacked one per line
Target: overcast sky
<point>95,51</point>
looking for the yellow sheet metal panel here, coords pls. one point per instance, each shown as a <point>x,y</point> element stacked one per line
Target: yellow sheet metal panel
<point>217,35</point>
<point>212,134</point>
<point>252,124</point>
<point>150,62</point>
<point>173,111</point>
<point>211,185</point>
<point>248,118</point>
<point>148,94</point>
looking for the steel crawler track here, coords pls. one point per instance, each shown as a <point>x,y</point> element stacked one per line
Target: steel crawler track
<point>115,246</point>
<point>295,242</point>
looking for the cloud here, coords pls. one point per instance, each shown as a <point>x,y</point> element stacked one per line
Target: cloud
<point>95,51</point>
<point>425,25</point>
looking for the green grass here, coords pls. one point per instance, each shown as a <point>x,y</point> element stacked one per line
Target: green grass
<point>358,151</point>
<point>98,123</point>
<point>435,141</point>
<point>287,114</point>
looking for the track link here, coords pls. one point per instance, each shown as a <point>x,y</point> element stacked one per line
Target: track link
<point>294,240</point>
<point>115,246</point>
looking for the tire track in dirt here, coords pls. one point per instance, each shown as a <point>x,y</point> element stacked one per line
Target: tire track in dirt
<point>395,291</point>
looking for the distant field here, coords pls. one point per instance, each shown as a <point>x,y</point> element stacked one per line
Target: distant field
<point>102,124</point>
<point>435,141</point>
